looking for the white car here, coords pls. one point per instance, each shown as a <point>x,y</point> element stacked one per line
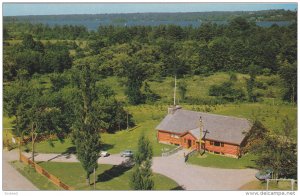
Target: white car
<point>104,154</point>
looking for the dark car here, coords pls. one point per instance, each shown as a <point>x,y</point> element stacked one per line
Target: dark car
<point>264,175</point>
<point>127,153</point>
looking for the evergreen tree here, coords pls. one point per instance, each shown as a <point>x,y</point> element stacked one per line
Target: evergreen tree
<point>182,89</point>
<point>144,150</point>
<point>141,178</point>
<point>251,83</point>
<point>88,120</point>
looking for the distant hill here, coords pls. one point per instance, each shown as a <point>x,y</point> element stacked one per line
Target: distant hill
<point>265,15</point>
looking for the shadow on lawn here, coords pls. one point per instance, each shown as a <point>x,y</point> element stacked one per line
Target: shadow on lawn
<point>70,150</point>
<point>178,188</point>
<point>106,147</point>
<point>115,171</point>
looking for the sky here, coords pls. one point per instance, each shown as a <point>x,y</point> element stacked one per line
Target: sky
<point>19,9</point>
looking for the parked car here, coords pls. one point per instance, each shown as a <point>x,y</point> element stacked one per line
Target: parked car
<point>104,154</point>
<point>127,153</point>
<point>264,174</point>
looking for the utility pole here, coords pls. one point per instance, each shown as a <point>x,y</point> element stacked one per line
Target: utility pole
<point>94,178</point>
<point>127,119</point>
<point>201,131</point>
<point>175,92</point>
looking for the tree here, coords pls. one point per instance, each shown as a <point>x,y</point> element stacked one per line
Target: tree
<point>274,151</point>
<point>219,54</point>
<point>288,73</point>
<point>227,92</point>
<point>14,100</point>
<point>253,71</point>
<point>96,45</point>
<point>150,96</point>
<point>137,68</point>
<point>36,110</point>
<point>141,177</point>
<point>43,117</point>
<point>28,42</point>
<point>144,150</point>
<point>29,60</point>
<point>182,89</point>
<point>5,33</point>
<point>88,118</point>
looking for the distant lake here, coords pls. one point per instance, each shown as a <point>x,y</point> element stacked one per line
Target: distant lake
<point>94,24</point>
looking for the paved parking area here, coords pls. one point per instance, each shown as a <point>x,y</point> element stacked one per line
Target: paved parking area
<point>193,177</point>
<point>12,180</point>
<point>114,159</point>
<point>190,177</point>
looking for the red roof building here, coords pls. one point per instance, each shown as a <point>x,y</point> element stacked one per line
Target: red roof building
<point>217,134</point>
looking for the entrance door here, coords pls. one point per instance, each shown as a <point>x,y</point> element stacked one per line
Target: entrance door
<point>189,143</point>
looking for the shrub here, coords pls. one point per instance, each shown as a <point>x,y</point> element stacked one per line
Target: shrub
<point>227,92</point>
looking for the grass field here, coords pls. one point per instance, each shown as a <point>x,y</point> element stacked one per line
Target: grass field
<point>39,181</point>
<point>198,86</point>
<point>211,160</point>
<point>258,185</point>
<point>108,177</point>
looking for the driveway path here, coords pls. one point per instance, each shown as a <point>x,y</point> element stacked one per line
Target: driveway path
<point>191,177</point>
<point>12,180</point>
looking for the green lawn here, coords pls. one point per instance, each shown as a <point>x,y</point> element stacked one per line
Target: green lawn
<point>147,117</point>
<point>258,185</point>
<point>59,147</point>
<point>218,161</point>
<point>113,143</point>
<point>108,177</point>
<point>38,180</point>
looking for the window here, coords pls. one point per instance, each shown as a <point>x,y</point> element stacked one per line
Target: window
<point>193,142</point>
<point>217,143</point>
<point>211,143</point>
<point>222,144</point>
<point>174,136</point>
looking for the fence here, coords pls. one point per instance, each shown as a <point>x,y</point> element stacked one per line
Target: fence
<point>164,154</point>
<point>186,157</point>
<point>292,182</point>
<point>43,172</point>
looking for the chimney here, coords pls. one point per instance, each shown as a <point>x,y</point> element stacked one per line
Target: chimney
<point>173,109</point>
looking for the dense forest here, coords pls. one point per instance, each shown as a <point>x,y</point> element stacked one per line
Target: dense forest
<point>142,53</point>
